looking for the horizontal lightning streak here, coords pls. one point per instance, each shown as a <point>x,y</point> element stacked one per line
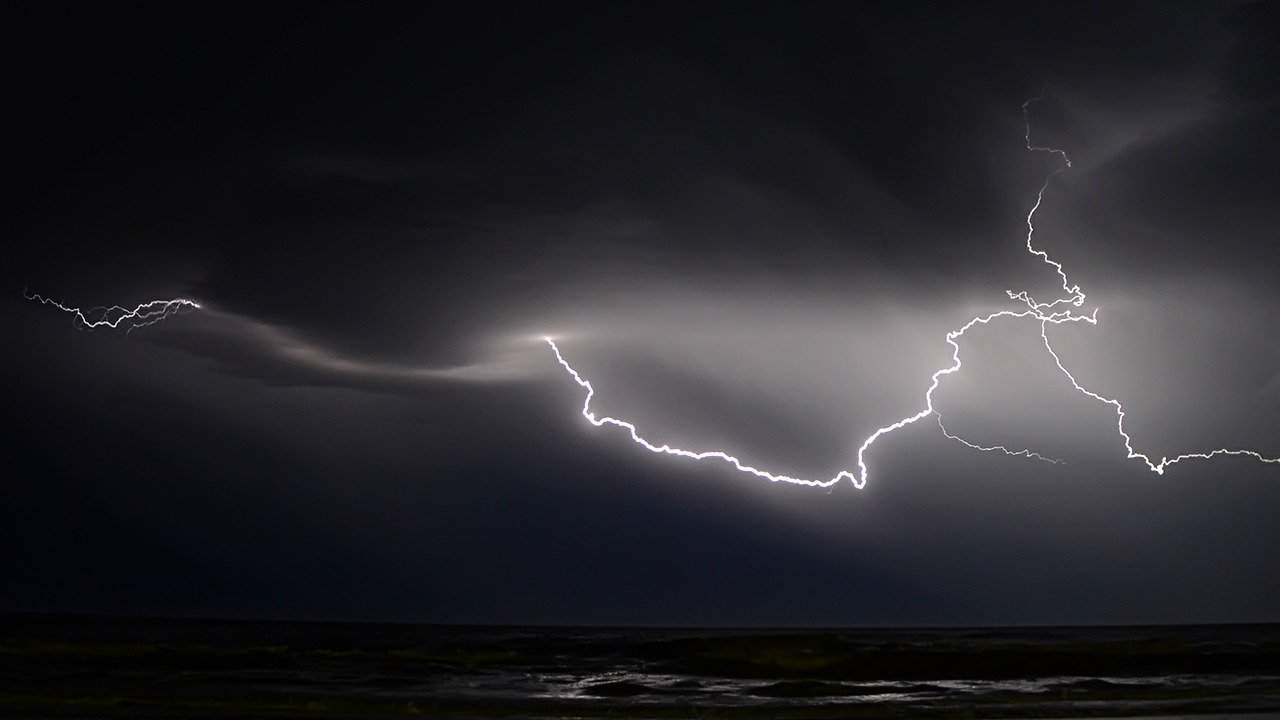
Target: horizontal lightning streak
<point>147,313</point>
<point>996,448</point>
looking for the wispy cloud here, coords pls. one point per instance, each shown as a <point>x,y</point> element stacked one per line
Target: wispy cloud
<point>248,347</point>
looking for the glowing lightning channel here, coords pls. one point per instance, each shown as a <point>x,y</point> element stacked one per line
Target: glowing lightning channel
<point>147,313</point>
<point>668,450</point>
<point>996,448</point>
<point>1044,312</point>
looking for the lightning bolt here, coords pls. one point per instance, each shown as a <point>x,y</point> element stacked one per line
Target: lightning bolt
<point>1076,297</point>
<point>147,313</point>
<point>996,448</point>
<point>1044,312</point>
<point>668,450</point>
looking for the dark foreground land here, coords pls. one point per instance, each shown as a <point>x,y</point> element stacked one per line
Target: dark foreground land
<point>93,667</point>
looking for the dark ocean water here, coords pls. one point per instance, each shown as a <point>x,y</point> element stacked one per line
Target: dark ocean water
<point>88,667</point>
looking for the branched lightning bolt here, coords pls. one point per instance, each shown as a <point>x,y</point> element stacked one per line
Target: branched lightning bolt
<point>859,480</point>
<point>1044,312</point>
<point>996,448</point>
<point>147,313</point>
<point>1157,468</point>
<point>1076,298</point>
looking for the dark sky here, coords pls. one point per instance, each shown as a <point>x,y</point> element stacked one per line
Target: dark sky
<point>750,230</point>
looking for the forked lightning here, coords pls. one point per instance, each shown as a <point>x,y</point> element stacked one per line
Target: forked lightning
<point>1043,312</point>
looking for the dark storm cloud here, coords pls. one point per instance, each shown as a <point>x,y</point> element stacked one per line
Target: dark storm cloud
<point>361,168</point>
<point>750,230</point>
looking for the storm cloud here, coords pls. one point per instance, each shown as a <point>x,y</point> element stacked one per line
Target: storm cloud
<point>750,231</point>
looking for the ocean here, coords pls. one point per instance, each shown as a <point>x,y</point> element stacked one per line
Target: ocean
<point>110,667</point>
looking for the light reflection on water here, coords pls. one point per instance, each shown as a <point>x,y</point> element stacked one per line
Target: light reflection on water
<point>517,672</point>
<point>638,687</point>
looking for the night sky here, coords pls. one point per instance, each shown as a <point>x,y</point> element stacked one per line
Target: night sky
<point>750,230</point>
